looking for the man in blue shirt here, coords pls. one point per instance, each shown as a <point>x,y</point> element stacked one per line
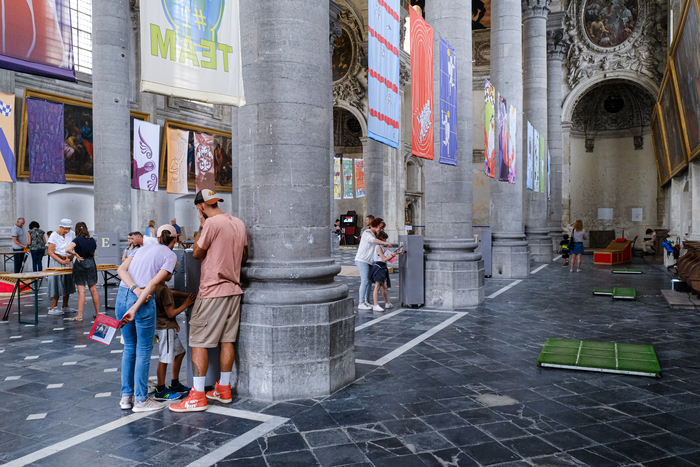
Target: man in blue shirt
<point>19,243</point>
<point>177,229</point>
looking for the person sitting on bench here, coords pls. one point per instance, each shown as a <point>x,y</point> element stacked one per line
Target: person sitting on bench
<point>648,244</point>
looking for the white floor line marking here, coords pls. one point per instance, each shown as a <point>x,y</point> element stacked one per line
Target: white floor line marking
<point>86,333</point>
<point>58,329</point>
<point>364,362</point>
<point>12,378</point>
<point>116,351</point>
<point>80,346</point>
<point>539,269</point>
<point>103,394</point>
<point>46,342</point>
<point>414,342</point>
<point>509,286</point>
<point>33,357</point>
<point>69,363</point>
<point>54,386</point>
<point>556,258</point>
<point>110,370</point>
<point>15,337</point>
<point>36,416</point>
<point>378,320</point>
<point>258,417</point>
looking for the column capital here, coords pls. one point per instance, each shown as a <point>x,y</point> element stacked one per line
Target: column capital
<point>557,44</point>
<point>535,8</point>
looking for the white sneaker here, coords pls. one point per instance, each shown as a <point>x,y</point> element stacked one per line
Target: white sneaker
<point>55,311</point>
<point>388,305</point>
<point>578,270</point>
<point>127,402</point>
<point>149,405</point>
<point>67,309</point>
<point>363,306</point>
<point>377,308</point>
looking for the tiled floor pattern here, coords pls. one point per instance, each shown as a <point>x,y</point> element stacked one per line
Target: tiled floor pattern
<point>434,405</point>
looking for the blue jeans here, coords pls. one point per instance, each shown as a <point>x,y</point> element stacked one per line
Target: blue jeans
<point>37,257</point>
<point>138,344</point>
<point>364,280</point>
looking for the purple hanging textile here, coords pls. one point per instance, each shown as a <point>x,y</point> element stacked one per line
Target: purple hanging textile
<point>45,142</point>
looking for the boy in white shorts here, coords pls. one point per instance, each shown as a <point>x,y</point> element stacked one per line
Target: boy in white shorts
<point>170,348</point>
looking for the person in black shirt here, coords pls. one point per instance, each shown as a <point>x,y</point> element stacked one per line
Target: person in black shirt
<point>84,268</point>
<point>564,249</point>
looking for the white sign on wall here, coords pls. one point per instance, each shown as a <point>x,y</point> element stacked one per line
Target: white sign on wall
<point>605,214</point>
<point>637,214</point>
<point>192,50</point>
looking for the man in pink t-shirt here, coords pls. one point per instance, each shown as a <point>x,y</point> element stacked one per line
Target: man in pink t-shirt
<point>221,245</point>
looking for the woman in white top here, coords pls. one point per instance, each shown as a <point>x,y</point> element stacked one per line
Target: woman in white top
<point>579,235</point>
<point>364,259</point>
<point>60,286</point>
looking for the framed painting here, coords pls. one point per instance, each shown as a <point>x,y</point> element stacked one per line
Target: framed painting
<point>671,124</point>
<point>223,160</point>
<point>685,67</point>
<point>657,139</point>
<point>78,135</point>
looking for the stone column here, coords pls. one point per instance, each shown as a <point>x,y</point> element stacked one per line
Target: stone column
<point>509,248</point>
<point>147,201</point>
<point>556,49</point>
<point>111,26</point>
<point>535,111</point>
<point>373,155</point>
<point>566,173</point>
<point>454,274</point>
<point>335,31</point>
<point>8,191</point>
<point>297,324</point>
<point>235,189</point>
<point>695,200</point>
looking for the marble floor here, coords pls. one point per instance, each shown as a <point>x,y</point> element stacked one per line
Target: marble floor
<point>433,389</point>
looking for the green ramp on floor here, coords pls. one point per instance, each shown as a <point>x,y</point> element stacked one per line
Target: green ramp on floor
<point>606,357</point>
<point>626,271</point>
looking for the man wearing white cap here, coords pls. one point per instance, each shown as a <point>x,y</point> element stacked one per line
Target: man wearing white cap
<point>215,317</point>
<point>60,286</point>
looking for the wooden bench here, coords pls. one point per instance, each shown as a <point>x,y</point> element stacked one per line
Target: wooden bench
<point>616,253</point>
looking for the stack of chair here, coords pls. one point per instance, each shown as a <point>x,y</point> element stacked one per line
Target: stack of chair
<point>688,266</point>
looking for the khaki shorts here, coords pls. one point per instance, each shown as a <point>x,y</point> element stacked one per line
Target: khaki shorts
<point>214,320</point>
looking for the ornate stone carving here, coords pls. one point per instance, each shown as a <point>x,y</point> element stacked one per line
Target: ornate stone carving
<point>535,8</point>
<point>402,30</point>
<point>643,52</point>
<point>346,129</point>
<point>404,70</point>
<point>638,143</point>
<point>334,33</point>
<point>481,48</point>
<point>350,90</point>
<point>557,44</point>
<point>590,144</point>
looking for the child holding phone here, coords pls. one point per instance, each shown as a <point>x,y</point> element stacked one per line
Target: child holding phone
<point>380,273</point>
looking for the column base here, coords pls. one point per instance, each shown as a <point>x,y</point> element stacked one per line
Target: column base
<point>509,256</point>
<point>296,351</point>
<point>454,274</point>
<point>6,236</point>
<point>557,235</point>
<point>540,245</point>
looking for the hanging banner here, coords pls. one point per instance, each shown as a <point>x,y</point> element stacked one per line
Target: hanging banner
<point>423,137</point>
<point>503,140</point>
<point>448,104</point>
<point>36,38</point>
<point>146,160</point>
<point>490,129</point>
<point>512,132</point>
<point>204,162</point>
<point>549,176</point>
<point>536,159</point>
<point>530,158</point>
<point>177,160</point>
<point>359,178</point>
<point>45,142</point>
<point>383,72</point>
<point>347,179</point>
<point>543,156</point>
<point>192,50</point>
<point>336,179</point>
<point>7,138</point>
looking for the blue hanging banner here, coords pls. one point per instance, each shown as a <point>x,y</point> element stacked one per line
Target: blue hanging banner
<point>448,104</point>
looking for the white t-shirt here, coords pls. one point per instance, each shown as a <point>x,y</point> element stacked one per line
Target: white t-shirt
<point>386,251</point>
<point>365,251</point>
<point>61,242</point>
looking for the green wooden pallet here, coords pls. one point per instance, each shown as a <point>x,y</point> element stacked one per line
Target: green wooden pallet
<point>618,293</point>
<point>626,271</point>
<point>606,357</point>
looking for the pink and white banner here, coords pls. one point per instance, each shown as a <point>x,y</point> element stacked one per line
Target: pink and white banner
<point>146,149</point>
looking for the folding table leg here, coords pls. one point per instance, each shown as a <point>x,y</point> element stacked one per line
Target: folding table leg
<point>9,304</point>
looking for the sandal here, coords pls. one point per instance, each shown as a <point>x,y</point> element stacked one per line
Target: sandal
<point>76,318</point>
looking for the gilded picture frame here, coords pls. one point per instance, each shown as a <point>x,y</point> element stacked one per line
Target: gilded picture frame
<point>670,115</point>
<point>657,139</point>
<point>684,64</point>
<point>78,107</point>
<point>223,141</point>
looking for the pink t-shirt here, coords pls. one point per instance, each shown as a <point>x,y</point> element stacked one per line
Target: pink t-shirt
<point>223,237</point>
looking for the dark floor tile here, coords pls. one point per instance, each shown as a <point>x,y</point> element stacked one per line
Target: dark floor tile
<point>444,421</point>
<point>292,459</point>
<point>635,409</point>
<point>447,457</point>
<point>572,418</point>
<point>246,462</point>
<point>636,427</point>
<point>315,418</point>
<point>284,443</point>
<point>490,453</point>
<point>353,417</point>
<point>402,461</point>
<point>503,430</point>
<point>466,436</point>
<point>367,432</point>
<point>638,450</point>
<point>530,446</point>
<point>383,448</point>
<point>235,426</point>
<point>669,462</point>
<point>567,440</point>
<point>339,455</point>
<point>323,438</point>
<point>141,449</point>
<point>669,422</point>
<point>410,426</point>
<point>602,433</point>
<point>175,433</point>
<point>249,450</point>
<point>480,416</point>
<point>426,442</point>
<point>672,443</point>
<point>546,407</point>
<point>594,459</point>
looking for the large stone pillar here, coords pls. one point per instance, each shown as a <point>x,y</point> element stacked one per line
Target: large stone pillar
<point>111,26</point>
<point>556,49</point>
<point>509,248</point>
<point>454,273</point>
<point>535,111</point>
<point>297,324</point>
<point>695,200</point>
<point>373,155</point>
<point>8,191</point>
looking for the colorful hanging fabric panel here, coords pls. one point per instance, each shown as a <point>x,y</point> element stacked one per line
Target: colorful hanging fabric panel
<point>383,72</point>
<point>177,160</point>
<point>337,189</point>
<point>146,160</point>
<point>7,138</point>
<point>503,139</point>
<point>204,162</point>
<point>422,105</point>
<point>347,179</point>
<point>512,133</point>
<point>45,142</point>
<point>359,178</point>
<point>536,159</point>
<point>489,129</point>
<point>448,104</point>
<point>542,164</point>
<point>530,158</point>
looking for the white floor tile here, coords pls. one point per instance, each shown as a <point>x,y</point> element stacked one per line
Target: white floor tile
<point>69,363</point>
<point>37,416</point>
<point>54,386</point>
<point>46,342</point>
<point>34,357</point>
<point>110,370</point>
<point>12,378</point>
<point>103,394</point>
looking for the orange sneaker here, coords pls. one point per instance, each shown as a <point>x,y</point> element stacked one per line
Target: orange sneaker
<point>194,402</point>
<point>221,393</point>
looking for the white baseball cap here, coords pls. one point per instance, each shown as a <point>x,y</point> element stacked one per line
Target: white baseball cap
<point>67,223</point>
